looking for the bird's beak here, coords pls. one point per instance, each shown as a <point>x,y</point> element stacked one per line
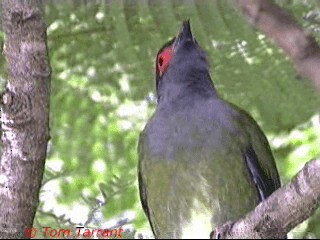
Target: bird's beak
<point>185,31</point>
<point>184,34</point>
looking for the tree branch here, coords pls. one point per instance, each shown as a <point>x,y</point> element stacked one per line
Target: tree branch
<point>282,211</point>
<point>279,26</point>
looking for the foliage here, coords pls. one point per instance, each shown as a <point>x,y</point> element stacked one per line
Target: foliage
<point>103,94</point>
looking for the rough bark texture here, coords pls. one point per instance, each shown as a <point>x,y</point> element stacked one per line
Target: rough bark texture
<point>24,116</point>
<point>287,34</point>
<point>282,211</point>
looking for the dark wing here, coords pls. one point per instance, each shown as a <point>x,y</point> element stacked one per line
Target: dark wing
<point>258,157</point>
<point>143,195</point>
<point>142,187</point>
<point>264,183</point>
<point>266,180</point>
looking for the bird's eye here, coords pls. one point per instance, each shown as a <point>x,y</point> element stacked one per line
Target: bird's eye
<point>160,61</point>
<point>164,60</point>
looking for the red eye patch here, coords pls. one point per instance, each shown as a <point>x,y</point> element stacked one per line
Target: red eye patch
<point>164,59</point>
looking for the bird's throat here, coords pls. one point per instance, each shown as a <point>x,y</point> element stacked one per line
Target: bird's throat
<point>185,88</point>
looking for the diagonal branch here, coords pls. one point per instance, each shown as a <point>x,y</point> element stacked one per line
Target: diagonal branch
<point>279,26</point>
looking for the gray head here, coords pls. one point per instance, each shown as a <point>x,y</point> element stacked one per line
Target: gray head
<point>182,64</point>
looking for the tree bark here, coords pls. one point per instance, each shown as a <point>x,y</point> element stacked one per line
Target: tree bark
<point>282,211</point>
<point>24,116</point>
<point>279,26</point>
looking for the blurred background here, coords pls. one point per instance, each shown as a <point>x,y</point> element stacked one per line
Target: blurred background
<point>103,92</point>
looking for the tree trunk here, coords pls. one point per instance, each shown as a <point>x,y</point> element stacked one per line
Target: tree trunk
<point>24,116</point>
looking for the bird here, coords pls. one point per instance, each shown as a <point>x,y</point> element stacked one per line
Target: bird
<point>203,161</point>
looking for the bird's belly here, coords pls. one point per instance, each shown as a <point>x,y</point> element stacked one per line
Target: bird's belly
<point>185,207</point>
<point>189,199</point>
<point>198,226</point>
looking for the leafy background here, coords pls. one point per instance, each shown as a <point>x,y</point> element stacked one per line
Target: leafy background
<point>102,55</point>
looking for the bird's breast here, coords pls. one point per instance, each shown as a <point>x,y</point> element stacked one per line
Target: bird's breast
<point>195,175</point>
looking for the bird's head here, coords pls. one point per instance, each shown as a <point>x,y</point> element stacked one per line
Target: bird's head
<point>181,59</point>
